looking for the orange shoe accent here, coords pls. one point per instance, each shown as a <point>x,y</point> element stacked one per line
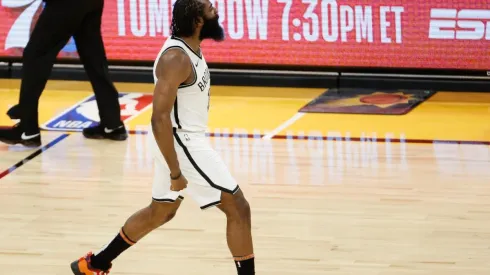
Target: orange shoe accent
<point>83,267</point>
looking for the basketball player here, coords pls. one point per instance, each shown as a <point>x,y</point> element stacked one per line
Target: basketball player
<point>184,160</point>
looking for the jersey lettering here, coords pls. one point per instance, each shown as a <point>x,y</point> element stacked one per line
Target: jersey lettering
<point>203,83</point>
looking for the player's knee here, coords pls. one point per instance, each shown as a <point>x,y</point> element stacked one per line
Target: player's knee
<point>244,209</point>
<point>237,208</point>
<point>161,213</point>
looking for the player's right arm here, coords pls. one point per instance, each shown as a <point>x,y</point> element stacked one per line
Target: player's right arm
<point>173,69</point>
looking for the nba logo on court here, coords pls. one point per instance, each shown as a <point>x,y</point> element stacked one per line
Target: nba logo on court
<point>86,113</point>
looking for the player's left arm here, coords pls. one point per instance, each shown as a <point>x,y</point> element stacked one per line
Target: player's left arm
<point>173,68</point>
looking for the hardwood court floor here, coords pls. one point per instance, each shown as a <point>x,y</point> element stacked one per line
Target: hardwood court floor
<point>324,207</point>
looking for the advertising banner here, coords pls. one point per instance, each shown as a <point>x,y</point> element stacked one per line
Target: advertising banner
<point>452,34</point>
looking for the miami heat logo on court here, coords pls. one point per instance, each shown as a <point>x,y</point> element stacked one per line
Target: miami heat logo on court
<point>367,101</point>
<point>86,113</point>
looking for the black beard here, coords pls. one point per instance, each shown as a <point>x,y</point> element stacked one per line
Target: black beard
<point>211,29</point>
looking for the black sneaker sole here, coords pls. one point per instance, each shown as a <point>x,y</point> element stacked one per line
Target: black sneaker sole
<point>116,137</point>
<point>26,143</point>
<point>74,268</point>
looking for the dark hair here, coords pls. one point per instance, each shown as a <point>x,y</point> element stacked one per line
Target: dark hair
<point>185,16</point>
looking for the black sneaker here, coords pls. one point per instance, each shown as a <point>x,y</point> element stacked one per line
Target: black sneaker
<point>15,135</point>
<point>101,132</point>
<point>14,112</point>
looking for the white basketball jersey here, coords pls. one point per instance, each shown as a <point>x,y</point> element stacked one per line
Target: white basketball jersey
<point>190,111</point>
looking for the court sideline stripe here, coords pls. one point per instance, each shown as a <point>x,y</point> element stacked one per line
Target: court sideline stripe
<point>284,125</point>
<point>334,138</point>
<point>33,155</point>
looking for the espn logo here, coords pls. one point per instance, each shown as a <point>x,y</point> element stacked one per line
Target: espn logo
<point>461,25</point>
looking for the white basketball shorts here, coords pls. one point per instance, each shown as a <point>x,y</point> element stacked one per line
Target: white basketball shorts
<point>206,173</point>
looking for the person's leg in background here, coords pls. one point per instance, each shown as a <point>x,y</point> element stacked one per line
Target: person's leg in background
<point>56,24</point>
<point>90,46</point>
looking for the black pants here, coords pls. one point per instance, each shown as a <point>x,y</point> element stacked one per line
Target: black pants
<point>60,20</point>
